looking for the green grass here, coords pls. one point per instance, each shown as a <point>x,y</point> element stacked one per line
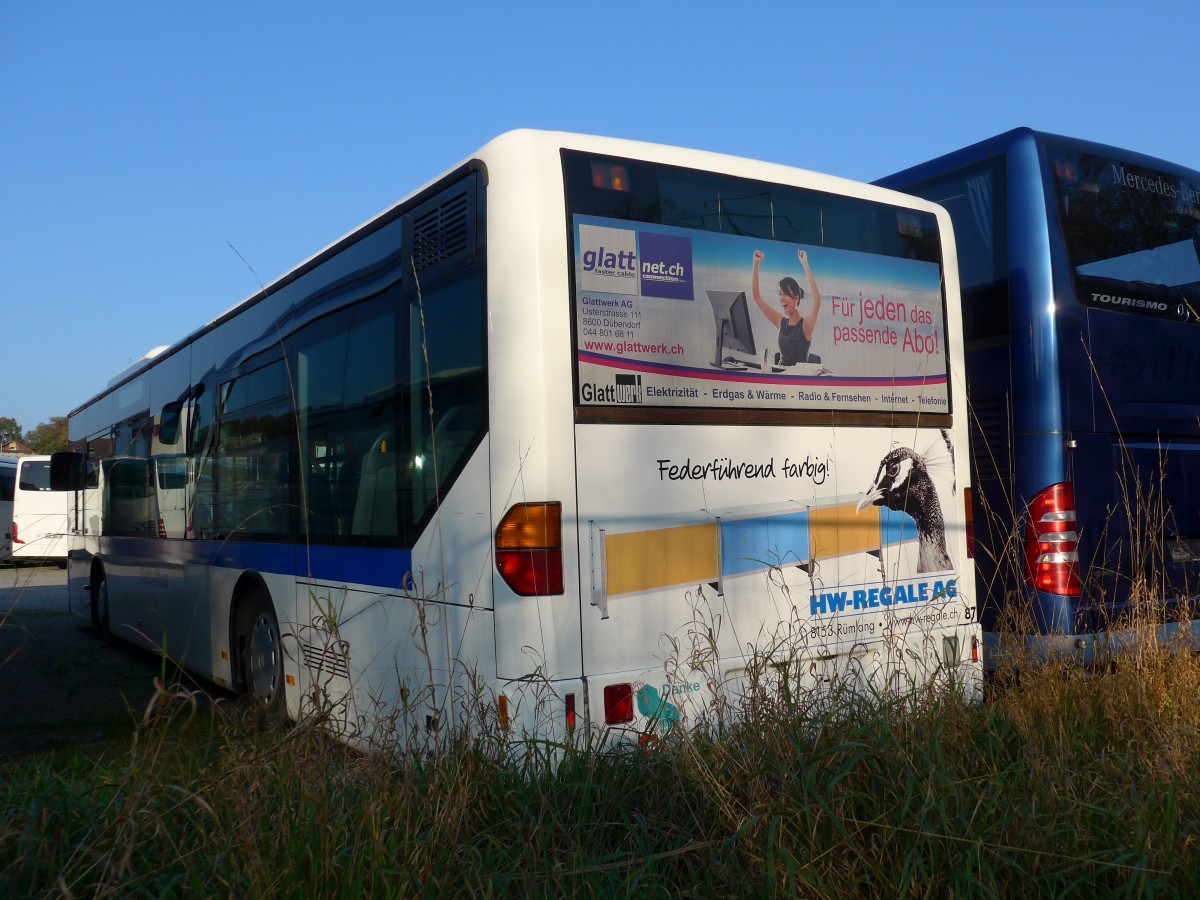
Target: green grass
<point>1064,784</point>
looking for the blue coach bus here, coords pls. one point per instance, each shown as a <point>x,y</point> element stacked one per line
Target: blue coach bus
<point>1080,277</point>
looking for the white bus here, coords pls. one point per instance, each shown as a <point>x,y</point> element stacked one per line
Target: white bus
<point>528,446</point>
<point>40,516</point>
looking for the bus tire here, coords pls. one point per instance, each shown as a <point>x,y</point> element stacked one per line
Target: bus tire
<point>261,652</point>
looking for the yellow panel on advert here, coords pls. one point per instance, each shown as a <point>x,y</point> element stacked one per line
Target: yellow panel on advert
<point>839,531</point>
<point>647,560</point>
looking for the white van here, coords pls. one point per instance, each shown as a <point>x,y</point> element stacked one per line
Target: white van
<point>8,483</point>
<point>40,516</point>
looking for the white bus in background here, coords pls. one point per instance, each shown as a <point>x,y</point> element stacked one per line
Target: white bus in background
<point>532,445</point>
<point>41,518</point>
<point>8,484</point>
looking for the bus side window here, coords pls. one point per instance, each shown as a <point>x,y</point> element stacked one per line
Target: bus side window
<point>375,508</point>
<point>255,493</point>
<point>454,433</point>
<point>168,423</point>
<point>346,386</point>
<point>129,500</point>
<point>128,490</point>
<point>99,450</point>
<point>448,384</point>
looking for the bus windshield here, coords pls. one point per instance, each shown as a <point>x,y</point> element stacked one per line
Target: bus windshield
<point>1132,233</point>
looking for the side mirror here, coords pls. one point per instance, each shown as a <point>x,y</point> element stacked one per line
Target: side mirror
<point>66,471</point>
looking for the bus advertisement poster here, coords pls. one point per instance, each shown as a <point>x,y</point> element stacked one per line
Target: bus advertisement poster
<point>669,316</point>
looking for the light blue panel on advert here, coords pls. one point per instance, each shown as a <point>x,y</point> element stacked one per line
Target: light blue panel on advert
<point>750,545</point>
<point>896,527</point>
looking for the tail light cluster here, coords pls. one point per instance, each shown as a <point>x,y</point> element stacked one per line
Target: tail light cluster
<point>1052,543</point>
<point>529,552</point>
<point>15,539</point>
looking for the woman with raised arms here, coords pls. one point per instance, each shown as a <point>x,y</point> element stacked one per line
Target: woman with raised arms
<point>795,331</point>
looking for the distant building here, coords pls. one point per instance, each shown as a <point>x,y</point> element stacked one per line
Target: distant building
<point>14,448</point>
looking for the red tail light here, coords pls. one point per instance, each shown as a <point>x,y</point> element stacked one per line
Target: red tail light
<point>16,540</point>
<point>529,549</point>
<point>1051,542</point>
<point>570,712</point>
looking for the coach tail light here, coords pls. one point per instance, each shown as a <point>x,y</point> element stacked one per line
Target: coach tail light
<point>529,549</point>
<point>1051,544</point>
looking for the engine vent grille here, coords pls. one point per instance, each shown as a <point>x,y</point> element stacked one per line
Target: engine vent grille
<point>442,232</point>
<point>330,661</point>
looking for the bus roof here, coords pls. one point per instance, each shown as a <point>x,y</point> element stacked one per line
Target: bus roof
<point>1003,143</point>
<point>516,142</point>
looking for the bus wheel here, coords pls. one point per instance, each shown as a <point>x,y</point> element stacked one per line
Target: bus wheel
<point>100,608</point>
<point>262,652</point>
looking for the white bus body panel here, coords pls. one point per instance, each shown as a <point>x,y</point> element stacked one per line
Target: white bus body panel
<point>779,564</point>
<point>396,661</point>
<point>40,516</point>
<point>612,487</point>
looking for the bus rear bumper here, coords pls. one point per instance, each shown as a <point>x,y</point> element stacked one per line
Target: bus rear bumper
<point>1087,649</point>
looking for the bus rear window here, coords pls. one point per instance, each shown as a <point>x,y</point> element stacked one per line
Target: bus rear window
<point>701,290</point>
<point>1132,233</point>
<point>34,475</point>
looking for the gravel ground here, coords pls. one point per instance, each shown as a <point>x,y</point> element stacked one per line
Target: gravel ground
<point>60,684</point>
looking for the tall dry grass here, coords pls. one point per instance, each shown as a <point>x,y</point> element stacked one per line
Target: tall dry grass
<point>1066,783</point>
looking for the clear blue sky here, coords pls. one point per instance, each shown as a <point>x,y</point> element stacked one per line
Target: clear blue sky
<point>140,140</point>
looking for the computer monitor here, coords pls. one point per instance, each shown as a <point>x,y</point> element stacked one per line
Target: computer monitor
<point>731,317</point>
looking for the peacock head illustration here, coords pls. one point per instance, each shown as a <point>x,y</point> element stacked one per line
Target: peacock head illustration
<point>903,483</point>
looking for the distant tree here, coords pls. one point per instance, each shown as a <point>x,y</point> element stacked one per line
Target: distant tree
<point>10,429</point>
<point>49,437</point>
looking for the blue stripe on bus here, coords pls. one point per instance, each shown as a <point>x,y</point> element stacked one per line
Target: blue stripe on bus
<point>374,566</point>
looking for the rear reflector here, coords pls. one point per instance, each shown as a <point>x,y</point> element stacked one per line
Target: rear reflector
<point>529,549</point>
<point>1051,542</point>
<point>618,704</point>
<point>570,712</point>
